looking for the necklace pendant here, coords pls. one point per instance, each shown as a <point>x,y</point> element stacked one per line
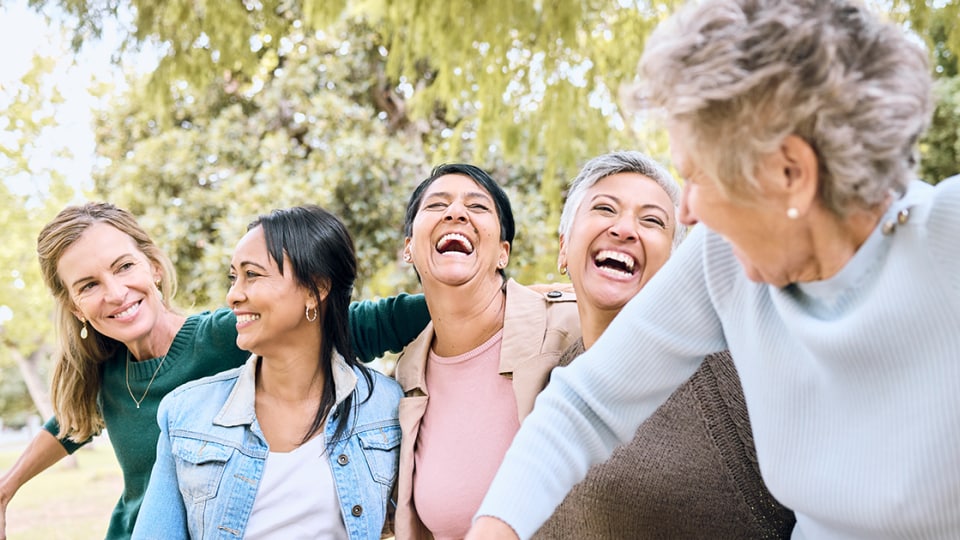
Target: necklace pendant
<point>138,405</point>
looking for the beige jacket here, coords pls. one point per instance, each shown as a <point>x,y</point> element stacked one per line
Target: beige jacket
<point>537,328</point>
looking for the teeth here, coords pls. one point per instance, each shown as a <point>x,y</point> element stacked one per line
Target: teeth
<point>454,237</point>
<point>127,312</point>
<point>247,318</point>
<point>623,258</point>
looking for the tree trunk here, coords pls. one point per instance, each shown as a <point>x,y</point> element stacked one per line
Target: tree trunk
<point>30,371</point>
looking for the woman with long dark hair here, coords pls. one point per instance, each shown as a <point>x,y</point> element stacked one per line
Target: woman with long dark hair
<point>300,442</point>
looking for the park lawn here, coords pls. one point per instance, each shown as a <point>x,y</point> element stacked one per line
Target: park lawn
<point>65,503</point>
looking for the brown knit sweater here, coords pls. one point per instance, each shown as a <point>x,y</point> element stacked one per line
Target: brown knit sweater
<point>690,472</point>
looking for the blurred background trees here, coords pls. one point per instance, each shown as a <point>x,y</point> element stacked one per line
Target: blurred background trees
<point>258,104</point>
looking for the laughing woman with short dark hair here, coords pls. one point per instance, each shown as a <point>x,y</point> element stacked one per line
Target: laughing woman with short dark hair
<point>474,372</point>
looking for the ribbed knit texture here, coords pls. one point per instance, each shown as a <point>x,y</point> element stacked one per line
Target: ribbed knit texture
<point>851,382</point>
<point>690,472</point>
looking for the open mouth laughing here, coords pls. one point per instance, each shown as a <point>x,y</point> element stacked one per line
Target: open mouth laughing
<point>454,243</point>
<point>615,262</point>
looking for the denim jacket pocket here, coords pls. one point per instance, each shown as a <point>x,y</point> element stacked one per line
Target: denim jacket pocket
<point>381,451</point>
<point>200,465</point>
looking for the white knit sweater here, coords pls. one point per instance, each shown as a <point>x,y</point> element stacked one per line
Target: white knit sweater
<point>852,383</point>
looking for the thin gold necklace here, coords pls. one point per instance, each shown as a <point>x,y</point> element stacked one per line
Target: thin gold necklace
<point>147,389</point>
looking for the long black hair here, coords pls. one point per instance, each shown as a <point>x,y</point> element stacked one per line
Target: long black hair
<point>321,255</point>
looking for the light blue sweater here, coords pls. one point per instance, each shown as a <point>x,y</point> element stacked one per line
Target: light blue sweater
<point>852,383</point>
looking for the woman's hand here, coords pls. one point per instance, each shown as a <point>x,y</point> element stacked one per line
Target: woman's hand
<point>491,528</point>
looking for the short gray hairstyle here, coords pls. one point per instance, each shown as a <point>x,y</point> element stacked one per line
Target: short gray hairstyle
<point>606,165</point>
<point>742,75</point>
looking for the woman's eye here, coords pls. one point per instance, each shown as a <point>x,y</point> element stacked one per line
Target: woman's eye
<point>604,208</point>
<point>231,279</point>
<point>87,287</point>
<point>250,274</point>
<point>655,220</point>
<point>480,207</point>
<point>435,206</point>
<point>125,266</point>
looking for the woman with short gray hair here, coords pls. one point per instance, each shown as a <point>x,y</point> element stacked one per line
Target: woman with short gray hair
<point>690,471</point>
<point>822,263</point>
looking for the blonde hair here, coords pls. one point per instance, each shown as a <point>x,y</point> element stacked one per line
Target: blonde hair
<point>77,375</point>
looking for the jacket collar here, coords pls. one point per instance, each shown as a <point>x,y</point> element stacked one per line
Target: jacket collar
<point>525,315</point>
<point>238,410</point>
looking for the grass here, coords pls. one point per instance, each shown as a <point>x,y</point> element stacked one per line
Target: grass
<point>64,503</point>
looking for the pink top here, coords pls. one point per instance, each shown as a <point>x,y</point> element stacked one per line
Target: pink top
<point>469,422</point>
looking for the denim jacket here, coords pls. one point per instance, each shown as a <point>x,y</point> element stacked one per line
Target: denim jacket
<point>211,455</point>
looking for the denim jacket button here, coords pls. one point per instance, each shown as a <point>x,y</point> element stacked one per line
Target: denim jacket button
<point>357,510</point>
<point>342,459</point>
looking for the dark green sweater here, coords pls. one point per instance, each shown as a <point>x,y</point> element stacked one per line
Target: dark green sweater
<point>205,345</point>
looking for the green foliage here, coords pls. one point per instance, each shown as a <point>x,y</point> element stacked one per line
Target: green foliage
<point>31,192</point>
<point>293,133</point>
<point>15,404</point>
<point>935,21</point>
<point>940,146</point>
<point>526,80</point>
<point>304,128</point>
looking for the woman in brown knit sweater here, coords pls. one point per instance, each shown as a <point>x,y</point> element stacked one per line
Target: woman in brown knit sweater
<point>691,470</point>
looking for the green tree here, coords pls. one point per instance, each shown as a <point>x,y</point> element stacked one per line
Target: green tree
<point>937,23</point>
<point>940,146</point>
<point>256,105</point>
<point>534,82</point>
<point>306,128</point>
<point>32,191</point>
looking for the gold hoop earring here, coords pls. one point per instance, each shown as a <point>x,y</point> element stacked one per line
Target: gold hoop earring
<point>159,290</point>
<point>316,313</point>
<point>83,329</point>
<point>562,269</point>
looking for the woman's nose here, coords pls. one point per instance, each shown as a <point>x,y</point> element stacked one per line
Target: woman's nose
<point>234,294</point>
<point>456,211</point>
<point>115,290</point>
<point>624,228</point>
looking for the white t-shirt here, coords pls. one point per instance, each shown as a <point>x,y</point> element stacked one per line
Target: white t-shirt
<point>297,498</point>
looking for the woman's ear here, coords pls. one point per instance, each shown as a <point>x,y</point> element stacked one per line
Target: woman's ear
<point>801,173</point>
<point>504,254</point>
<point>407,252</point>
<point>323,290</point>
<point>562,255</point>
<point>75,310</point>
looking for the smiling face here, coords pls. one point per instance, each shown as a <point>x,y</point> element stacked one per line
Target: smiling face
<point>622,234</point>
<point>270,306</point>
<point>112,284</point>
<point>455,236</point>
